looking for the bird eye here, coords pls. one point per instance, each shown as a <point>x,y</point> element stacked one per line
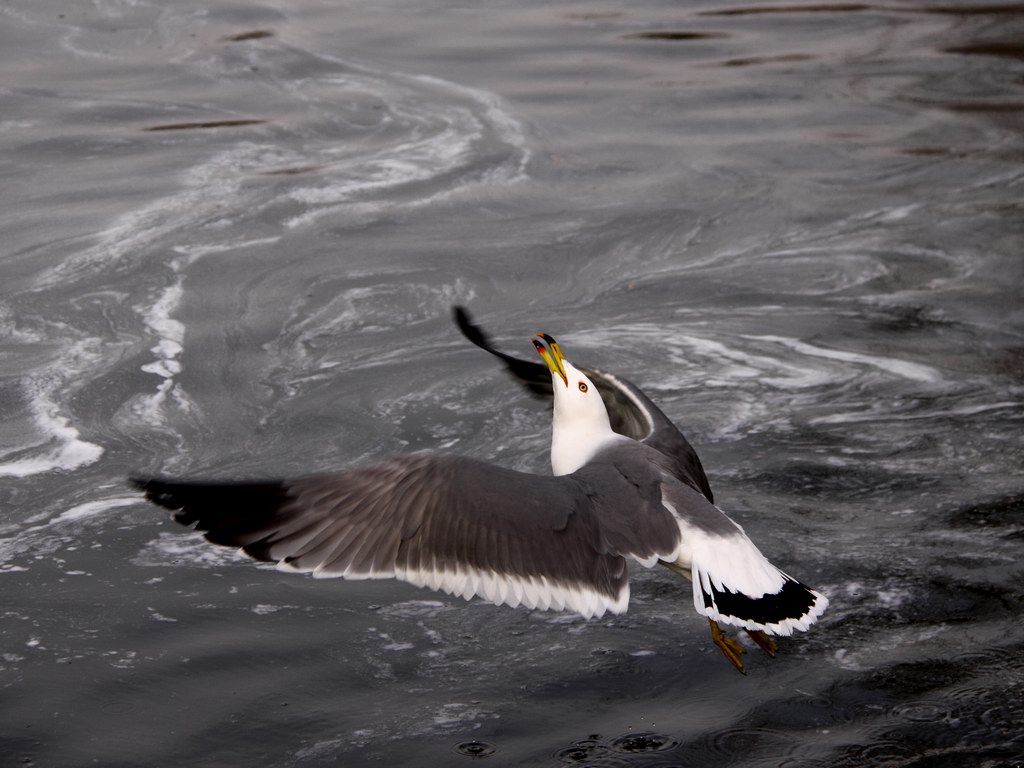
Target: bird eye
<point>583,386</point>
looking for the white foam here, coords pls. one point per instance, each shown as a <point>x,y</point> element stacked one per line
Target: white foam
<point>745,365</point>
<point>40,537</point>
<point>418,609</point>
<point>64,449</point>
<point>194,252</point>
<point>458,714</point>
<point>263,609</point>
<point>445,136</point>
<point>175,549</point>
<point>508,128</point>
<point>731,364</point>
<point>170,335</point>
<point>907,370</point>
<point>93,508</point>
<point>885,415</point>
<point>204,188</point>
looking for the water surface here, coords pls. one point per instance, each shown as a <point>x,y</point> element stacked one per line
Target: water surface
<point>232,235</point>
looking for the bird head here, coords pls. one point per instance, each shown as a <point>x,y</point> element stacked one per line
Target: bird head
<point>580,416</point>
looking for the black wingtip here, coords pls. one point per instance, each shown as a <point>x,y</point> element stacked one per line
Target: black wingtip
<point>138,483</point>
<point>214,505</point>
<point>158,492</point>
<point>533,376</point>
<point>472,332</point>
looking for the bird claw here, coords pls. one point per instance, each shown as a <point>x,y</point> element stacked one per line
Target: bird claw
<point>764,642</point>
<point>729,647</point>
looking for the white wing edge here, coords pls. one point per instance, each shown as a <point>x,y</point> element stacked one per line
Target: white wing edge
<point>633,398</point>
<point>498,588</point>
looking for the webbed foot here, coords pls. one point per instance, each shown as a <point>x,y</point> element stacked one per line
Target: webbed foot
<point>764,642</point>
<point>729,647</point>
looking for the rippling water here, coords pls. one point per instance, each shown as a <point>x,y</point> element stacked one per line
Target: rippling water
<point>232,234</point>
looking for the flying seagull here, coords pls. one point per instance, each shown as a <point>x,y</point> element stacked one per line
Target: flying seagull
<point>469,528</point>
<point>633,414</point>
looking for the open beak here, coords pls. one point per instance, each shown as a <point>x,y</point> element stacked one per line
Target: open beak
<point>552,355</point>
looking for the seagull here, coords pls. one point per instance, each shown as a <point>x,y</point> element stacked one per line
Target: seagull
<point>559,542</point>
<point>633,414</point>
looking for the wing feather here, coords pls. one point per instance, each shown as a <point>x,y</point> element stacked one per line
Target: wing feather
<point>451,523</point>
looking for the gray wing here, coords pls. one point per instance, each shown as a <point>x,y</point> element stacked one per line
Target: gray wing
<point>453,524</point>
<point>630,411</point>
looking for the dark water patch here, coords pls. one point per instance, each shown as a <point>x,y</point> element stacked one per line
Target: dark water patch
<point>475,749</point>
<point>754,61</point>
<point>256,34</point>
<point>768,733</point>
<point>18,749</point>
<point>1010,9</point>
<point>1007,49</point>
<point>845,482</point>
<point>1010,361</point>
<point>895,750</point>
<point>202,125</point>
<point>593,15</point>
<point>917,677</point>
<point>1007,511</point>
<point>757,740</point>
<point>949,708</point>
<point>935,152</point>
<point>904,319</point>
<point>975,153</point>
<point>647,741</point>
<point>582,751</point>
<point>945,601</point>
<point>889,751</point>
<point>598,758</point>
<point>967,707</point>
<point>921,712</point>
<point>630,749</point>
<point>675,36</point>
<point>296,171</point>
<point>773,9</point>
<point>895,605</point>
<point>992,107</point>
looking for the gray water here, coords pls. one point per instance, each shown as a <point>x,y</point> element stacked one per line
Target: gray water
<point>231,237</point>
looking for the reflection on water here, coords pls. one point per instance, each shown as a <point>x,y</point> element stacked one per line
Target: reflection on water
<point>232,238</point>
<point>681,36</point>
<point>207,124</point>
<point>256,34</point>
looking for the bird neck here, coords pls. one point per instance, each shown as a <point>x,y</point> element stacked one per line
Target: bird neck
<point>574,444</point>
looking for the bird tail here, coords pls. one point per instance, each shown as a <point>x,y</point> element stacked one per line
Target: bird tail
<point>778,610</point>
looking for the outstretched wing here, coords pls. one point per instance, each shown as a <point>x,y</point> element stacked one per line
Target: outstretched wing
<point>453,524</point>
<point>630,411</point>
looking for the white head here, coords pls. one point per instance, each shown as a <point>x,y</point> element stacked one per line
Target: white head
<point>580,426</point>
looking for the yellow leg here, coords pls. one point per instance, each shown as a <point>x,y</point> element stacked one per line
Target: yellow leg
<point>764,642</point>
<point>729,647</point>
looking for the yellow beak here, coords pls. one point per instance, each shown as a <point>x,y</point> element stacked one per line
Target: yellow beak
<point>552,355</point>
